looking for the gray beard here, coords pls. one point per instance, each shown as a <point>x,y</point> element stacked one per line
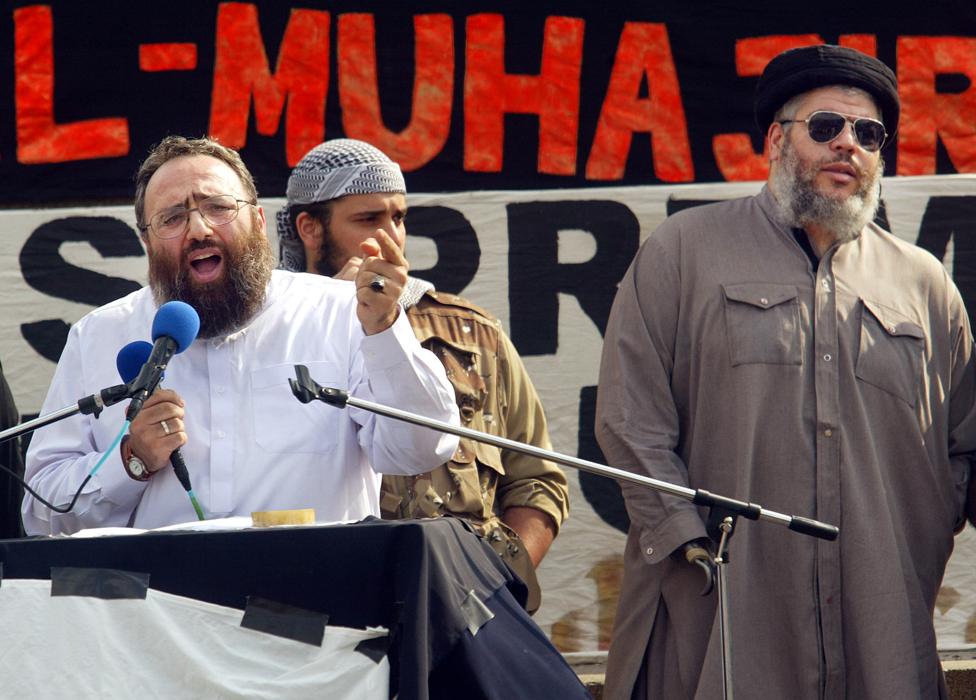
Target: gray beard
<point>228,304</point>
<point>799,203</point>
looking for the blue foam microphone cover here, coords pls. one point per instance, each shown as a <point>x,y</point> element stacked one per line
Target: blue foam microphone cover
<point>131,358</point>
<point>177,320</point>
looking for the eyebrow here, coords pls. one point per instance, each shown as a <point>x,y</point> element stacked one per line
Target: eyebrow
<point>195,197</point>
<point>379,211</point>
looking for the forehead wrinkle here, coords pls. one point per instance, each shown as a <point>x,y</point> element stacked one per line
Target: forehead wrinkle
<point>197,174</point>
<point>196,197</point>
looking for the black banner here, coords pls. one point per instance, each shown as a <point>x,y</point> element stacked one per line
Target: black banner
<point>479,95</point>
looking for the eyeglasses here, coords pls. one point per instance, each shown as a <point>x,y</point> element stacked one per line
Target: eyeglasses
<point>824,127</point>
<point>217,210</point>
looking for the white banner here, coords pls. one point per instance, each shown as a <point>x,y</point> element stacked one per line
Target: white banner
<point>167,646</point>
<point>546,262</point>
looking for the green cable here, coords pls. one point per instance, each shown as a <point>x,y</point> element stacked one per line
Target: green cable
<point>196,504</point>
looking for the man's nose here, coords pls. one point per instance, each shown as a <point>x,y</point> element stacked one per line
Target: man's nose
<point>197,228</point>
<point>845,140</point>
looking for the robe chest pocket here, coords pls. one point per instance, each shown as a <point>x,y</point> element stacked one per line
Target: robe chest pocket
<point>281,423</point>
<point>891,351</point>
<point>762,322</point>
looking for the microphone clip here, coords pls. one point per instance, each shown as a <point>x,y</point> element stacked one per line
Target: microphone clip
<point>307,389</point>
<point>95,403</point>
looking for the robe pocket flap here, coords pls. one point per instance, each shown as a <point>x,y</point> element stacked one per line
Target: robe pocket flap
<point>761,296</point>
<point>893,323</point>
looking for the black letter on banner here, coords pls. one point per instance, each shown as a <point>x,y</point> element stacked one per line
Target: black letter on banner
<point>47,271</point>
<point>535,276</point>
<point>458,252</point>
<point>599,491</point>
<point>953,218</point>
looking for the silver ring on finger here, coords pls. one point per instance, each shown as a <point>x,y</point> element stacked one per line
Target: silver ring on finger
<point>165,427</point>
<point>378,283</point>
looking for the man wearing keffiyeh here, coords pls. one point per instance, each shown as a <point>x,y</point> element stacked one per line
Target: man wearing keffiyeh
<point>339,195</point>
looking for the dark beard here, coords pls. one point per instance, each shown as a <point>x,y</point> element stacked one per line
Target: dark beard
<point>327,264</point>
<point>226,304</point>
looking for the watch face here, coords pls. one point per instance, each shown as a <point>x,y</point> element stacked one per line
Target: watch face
<point>137,468</point>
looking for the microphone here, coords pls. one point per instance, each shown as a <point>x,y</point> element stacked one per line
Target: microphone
<point>129,362</point>
<point>174,328</point>
<point>131,358</point>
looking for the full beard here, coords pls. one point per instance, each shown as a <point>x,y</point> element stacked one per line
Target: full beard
<point>225,304</point>
<point>330,259</point>
<point>801,204</point>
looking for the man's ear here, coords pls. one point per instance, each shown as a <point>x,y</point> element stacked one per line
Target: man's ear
<point>775,136</point>
<point>309,229</point>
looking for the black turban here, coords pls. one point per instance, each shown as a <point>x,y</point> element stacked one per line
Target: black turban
<point>799,70</point>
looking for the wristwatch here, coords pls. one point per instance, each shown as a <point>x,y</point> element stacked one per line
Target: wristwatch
<point>134,467</point>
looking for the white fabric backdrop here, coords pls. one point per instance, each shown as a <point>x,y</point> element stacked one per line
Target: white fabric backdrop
<point>580,576</point>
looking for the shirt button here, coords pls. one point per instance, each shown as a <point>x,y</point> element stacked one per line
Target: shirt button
<point>828,432</point>
<point>649,551</point>
<point>827,358</point>
<point>219,389</point>
<point>764,301</point>
<point>221,434</point>
<point>892,329</point>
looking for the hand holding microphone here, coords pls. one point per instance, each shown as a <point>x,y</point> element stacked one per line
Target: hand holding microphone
<point>157,430</point>
<point>174,328</point>
<point>130,362</point>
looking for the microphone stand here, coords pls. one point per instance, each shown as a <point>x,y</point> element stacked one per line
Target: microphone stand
<point>723,511</point>
<point>92,404</point>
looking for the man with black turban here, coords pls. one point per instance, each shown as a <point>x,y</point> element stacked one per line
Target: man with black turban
<point>784,349</point>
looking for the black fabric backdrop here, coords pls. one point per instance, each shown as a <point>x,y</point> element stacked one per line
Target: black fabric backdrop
<point>97,75</point>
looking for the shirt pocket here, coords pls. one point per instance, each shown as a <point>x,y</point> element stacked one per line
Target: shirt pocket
<point>891,351</point>
<point>281,423</point>
<point>474,470</point>
<point>762,323</point>
<point>463,368</point>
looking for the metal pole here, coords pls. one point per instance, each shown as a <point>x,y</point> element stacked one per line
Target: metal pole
<point>725,627</point>
<point>38,422</point>
<point>814,528</point>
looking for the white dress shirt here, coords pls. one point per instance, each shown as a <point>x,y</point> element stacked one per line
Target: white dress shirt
<point>251,444</point>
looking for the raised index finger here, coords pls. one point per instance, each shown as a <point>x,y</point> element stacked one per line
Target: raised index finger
<point>389,250</point>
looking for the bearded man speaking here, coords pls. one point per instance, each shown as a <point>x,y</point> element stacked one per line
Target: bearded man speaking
<point>783,349</point>
<point>248,443</point>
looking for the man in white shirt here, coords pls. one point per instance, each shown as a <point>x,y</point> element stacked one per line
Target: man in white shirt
<point>226,403</point>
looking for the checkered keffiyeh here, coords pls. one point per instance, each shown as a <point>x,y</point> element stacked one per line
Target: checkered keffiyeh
<point>331,170</point>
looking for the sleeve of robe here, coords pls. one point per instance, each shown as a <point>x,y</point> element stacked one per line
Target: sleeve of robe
<point>637,420</point>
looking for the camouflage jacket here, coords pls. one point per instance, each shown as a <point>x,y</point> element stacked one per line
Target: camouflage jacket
<point>494,395</point>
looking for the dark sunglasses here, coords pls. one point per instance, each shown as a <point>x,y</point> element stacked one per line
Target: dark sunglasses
<point>824,127</point>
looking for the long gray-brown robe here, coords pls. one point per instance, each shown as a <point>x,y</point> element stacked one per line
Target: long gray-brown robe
<point>844,394</point>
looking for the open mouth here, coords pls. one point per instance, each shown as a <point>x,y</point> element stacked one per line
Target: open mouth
<point>205,265</point>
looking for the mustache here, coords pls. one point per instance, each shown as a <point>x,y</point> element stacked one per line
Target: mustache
<point>846,158</point>
<point>201,245</point>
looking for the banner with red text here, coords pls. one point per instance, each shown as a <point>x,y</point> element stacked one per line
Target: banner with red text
<point>466,96</point>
